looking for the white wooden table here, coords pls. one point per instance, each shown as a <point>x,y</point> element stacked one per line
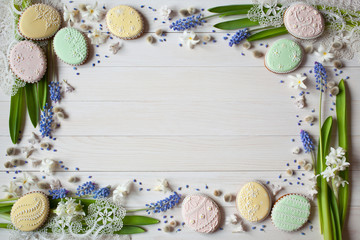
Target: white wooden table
<point>207,116</point>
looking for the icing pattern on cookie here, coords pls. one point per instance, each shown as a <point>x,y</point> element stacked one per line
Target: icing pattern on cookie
<point>27,61</point>
<point>253,202</point>
<point>291,212</point>
<point>283,56</point>
<point>124,22</point>
<point>304,21</point>
<point>201,213</point>
<point>70,46</point>
<point>30,211</point>
<point>39,21</point>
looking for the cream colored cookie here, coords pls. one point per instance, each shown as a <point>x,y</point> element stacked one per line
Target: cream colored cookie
<point>125,22</point>
<point>39,22</point>
<point>30,211</point>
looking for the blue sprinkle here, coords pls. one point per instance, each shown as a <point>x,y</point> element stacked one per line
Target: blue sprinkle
<point>187,186</point>
<point>302,233</point>
<point>287,164</point>
<point>253,227</point>
<point>142,6</point>
<point>281,81</point>
<point>279,176</point>
<point>299,167</point>
<point>77,169</point>
<point>285,180</point>
<point>295,161</point>
<point>90,177</point>
<point>267,182</point>
<point>77,73</point>
<point>225,38</point>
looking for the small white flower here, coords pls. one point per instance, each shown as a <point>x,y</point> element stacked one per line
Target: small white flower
<point>323,54</point>
<point>163,186</point>
<point>297,81</point>
<point>48,166</point>
<point>342,164</point>
<point>275,189</point>
<point>97,37</point>
<point>239,229</point>
<point>92,13</point>
<point>189,38</point>
<point>114,48</point>
<point>70,15</point>
<point>296,150</point>
<point>328,173</point>
<point>232,219</point>
<point>300,102</point>
<point>272,8</point>
<point>27,180</point>
<point>331,160</point>
<point>122,191</point>
<point>339,181</point>
<point>339,152</point>
<point>11,191</point>
<point>165,12</point>
<point>312,192</point>
<point>69,209</point>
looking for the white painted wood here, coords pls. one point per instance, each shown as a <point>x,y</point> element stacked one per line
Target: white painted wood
<point>207,116</point>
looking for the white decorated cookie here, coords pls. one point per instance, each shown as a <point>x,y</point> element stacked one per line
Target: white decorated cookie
<point>253,202</point>
<point>30,211</point>
<point>201,213</point>
<point>304,21</point>
<point>125,22</point>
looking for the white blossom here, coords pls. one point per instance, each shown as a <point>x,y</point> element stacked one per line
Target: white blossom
<point>312,192</point>
<point>11,191</point>
<point>92,13</point>
<point>232,219</point>
<point>114,48</point>
<point>275,189</point>
<point>70,15</point>
<point>69,209</point>
<point>48,166</point>
<point>97,37</point>
<point>239,229</point>
<point>296,150</point>
<point>328,173</point>
<point>339,181</point>
<point>297,81</point>
<point>27,180</point>
<point>163,186</point>
<point>189,38</point>
<point>323,54</point>
<point>342,164</point>
<point>122,191</point>
<point>165,12</point>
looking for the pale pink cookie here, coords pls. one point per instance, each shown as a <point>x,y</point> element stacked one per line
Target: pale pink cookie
<point>27,61</point>
<point>304,21</point>
<point>201,213</point>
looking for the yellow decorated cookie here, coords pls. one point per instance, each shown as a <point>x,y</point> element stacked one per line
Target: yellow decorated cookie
<point>253,202</point>
<point>39,22</point>
<point>30,211</point>
<point>125,22</point>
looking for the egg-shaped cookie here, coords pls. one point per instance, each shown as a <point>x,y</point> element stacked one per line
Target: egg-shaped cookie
<point>304,21</point>
<point>283,56</point>
<point>290,212</point>
<point>39,22</point>
<point>253,202</point>
<point>201,213</point>
<point>27,61</point>
<point>125,22</point>
<point>30,212</point>
<point>71,46</point>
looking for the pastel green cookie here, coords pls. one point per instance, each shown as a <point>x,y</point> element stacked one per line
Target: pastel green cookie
<point>284,56</point>
<point>290,212</point>
<point>70,46</point>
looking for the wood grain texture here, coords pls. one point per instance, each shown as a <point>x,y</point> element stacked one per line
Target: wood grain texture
<point>207,116</point>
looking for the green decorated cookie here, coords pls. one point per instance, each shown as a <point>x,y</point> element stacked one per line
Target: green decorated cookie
<point>284,56</point>
<point>70,46</point>
<point>290,212</point>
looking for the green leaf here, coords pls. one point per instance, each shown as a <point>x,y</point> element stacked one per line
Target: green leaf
<point>5,216</point>
<point>42,88</point>
<point>130,230</point>
<point>5,209</point>
<point>5,225</point>
<point>341,115</point>
<point>230,8</point>
<point>139,220</point>
<point>236,24</point>
<point>232,13</point>
<point>336,217</point>
<point>32,103</point>
<point>269,33</point>
<point>16,117</point>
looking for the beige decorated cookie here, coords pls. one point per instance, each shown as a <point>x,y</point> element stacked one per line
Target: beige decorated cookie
<point>30,211</point>
<point>39,22</point>
<point>253,202</point>
<point>125,22</point>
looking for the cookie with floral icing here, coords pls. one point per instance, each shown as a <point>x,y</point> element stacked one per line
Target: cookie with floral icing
<point>283,56</point>
<point>27,61</point>
<point>71,46</point>
<point>39,22</point>
<point>30,212</point>
<point>253,202</point>
<point>290,212</point>
<point>201,213</point>
<point>304,21</point>
<point>125,22</point>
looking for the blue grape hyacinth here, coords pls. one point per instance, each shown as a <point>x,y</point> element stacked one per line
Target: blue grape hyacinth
<point>306,141</point>
<point>239,36</point>
<point>320,76</point>
<point>187,23</point>
<point>102,192</point>
<point>86,189</point>
<point>55,91</point>
<point>46,121</point>
<point>164,204</point>
<point>58,193</point>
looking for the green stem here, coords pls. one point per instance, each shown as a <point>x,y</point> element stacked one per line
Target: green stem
<point>137,210</point>
<point>8,200</point>
<point>335,189</point>
<point>210,16</point>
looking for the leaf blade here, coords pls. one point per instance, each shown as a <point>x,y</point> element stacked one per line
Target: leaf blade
<point>269,33</point>
<point>16,118</point>
<point>32,103</point>
<point>236,24</point>
<point>139,220</point>
<point>229,8</point>
<point>130,230</point>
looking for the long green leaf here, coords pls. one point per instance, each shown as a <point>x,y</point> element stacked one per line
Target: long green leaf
<point>32,103</point>
<point>336,216</point>
<point>139,220</point>
<point>5,209</point>
<point>16,118</point>
<point>341,115</point>
<point>130,230</point>
<point>5,216</point>
<point>230,8</point>
<point>236,24</point>
<point>269,33</point>
<point>5,225</point>
<point>232,13</point>
<point>42,88</point>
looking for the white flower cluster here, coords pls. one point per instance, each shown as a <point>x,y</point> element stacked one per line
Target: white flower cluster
<point>336,162</point>
<point>69,209</point>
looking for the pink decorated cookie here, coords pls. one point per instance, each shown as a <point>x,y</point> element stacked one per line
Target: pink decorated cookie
<point>27,61</point>
<point>201,213</point>
<point>304,21</point>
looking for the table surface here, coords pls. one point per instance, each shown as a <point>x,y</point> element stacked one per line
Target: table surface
<point>202,117</point>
